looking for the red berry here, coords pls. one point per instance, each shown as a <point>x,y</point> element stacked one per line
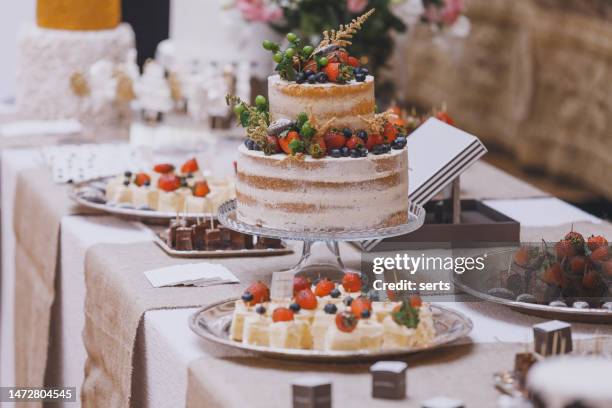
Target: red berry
<point>351,282</point>
<point>596,241</point>
<point>260,292</point>
<point>354,62</point>
<point>324,287</point>
<point>590,280</point>
<point>600,254</point>
<point>282,314</point>
<point>163,168</point>
<point>201,189</point>
<point>390,133</point>
<point>141,179</point>
<point>553,274</point>
<point>521,257</point>
<point>273,144</point>
<point>334,139</point>
<point>346,321</point>
<point>332,70</point>
<point>168,182</point>
<point>300,283</point>
<point>360,304</point>
<point>285,141</point>
<point>564,249</point>
<point>190,166</point>
<point>354,142</point>
<point>416,301</point>
<point>306,299</point>
<point>577,264</point>
<point>373,140</point>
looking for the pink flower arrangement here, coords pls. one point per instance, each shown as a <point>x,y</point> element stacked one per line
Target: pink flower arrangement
<point>356,6</point>
<point>259,10</point>
<point>447,14</point>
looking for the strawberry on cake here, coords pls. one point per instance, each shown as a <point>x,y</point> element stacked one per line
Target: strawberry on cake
<point>317,156</point>
<point>329,317</point>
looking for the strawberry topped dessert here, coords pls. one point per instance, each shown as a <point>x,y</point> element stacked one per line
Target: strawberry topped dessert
<point>317,156</point>
<point>325,316</point>
<point>170,189</point>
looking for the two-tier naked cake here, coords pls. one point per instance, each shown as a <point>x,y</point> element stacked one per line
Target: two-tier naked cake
<point>318,156</point>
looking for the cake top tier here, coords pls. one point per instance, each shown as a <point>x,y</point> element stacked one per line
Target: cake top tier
<point>329,61</point>
<point>84,15</point>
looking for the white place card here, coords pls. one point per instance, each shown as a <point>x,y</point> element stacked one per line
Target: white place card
<point>196,274</point>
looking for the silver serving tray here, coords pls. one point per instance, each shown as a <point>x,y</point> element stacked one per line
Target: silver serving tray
<point>220,253</point>
<point>84,193</point>
<point>471,282</point>
<point>212,323</point>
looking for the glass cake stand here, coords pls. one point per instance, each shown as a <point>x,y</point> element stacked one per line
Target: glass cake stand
<point>282,281</point>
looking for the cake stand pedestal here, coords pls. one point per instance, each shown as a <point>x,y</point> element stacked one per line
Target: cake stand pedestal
<point>282,281</point>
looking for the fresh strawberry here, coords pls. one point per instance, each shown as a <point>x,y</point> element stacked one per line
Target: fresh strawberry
<point>332,70</point>
<point>334,139</point>
<point>164,168</point>
<point>353,62</point>
<point>600,254</point>
<point>354,142</point>
<point>300,283</point>
<point>285,141</point>
<point>596,241</point>
<point>553,275</point>
<point>272,145</point>
<point>338,56</point>
<point>564,249</point>
<point>169,182</point>
<point>201,189</point>
<point>373,140</point>
<point>577,264</point>
<point>346,321</point>
<point>311,65</point>
<point>190,166</point>
<point>351,282</point>
<point>606,268</point>
<point>306,299</point>
<point>282,314</point>
<point>390,132</point>
<point>324,287</point>
<point>317,147</point>
<point>445,117</point>
<point>360,304</point>
<point>416,301</point>
<point>521,257</point>
<point>141,179</point>
<point>590,280</point>
<point>260,293</point>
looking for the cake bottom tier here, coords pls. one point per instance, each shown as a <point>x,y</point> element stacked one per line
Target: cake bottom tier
<point>46,61</point>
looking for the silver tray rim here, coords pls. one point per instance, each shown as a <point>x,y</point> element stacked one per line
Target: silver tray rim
<point>128,212</point>
<point>590,315</point>
<point>331,356</point>
<point>223,253</point>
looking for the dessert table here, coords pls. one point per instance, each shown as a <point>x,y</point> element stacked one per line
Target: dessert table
<point>168,358</point>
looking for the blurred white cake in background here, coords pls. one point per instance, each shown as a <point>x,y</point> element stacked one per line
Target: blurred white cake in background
<point>55,57</point>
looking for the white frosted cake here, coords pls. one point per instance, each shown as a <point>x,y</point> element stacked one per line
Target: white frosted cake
<point>322,194</point>
<point>571,381</point>
<point>318,157</point>
<point>69,37</point>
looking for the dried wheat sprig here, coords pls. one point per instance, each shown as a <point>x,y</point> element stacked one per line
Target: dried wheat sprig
<point>377,123</point>
<point>342,36</point>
